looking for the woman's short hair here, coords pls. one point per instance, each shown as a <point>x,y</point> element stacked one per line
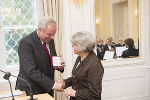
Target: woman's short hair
<point>84,40</point>
<point>46,21</point>
<point>129,42</point>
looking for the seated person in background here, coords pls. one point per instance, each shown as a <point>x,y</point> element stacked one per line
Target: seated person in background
<point>120,44</point>
<point>100,44</point>
<point>131,51</point>
<point>111,41</point>
<point>107,47</point>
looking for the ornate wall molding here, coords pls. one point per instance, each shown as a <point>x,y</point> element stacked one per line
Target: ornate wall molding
<point>117,1</point>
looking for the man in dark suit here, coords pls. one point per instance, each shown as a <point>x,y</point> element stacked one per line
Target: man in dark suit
<point>35,53</point>
<point>121,43</point>
<point>107,47</point>
<point>99,49</point>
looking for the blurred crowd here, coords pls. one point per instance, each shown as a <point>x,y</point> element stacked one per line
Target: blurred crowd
<point>109,45</point>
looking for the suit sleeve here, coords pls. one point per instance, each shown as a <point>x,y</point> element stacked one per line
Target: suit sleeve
<point>93,91</point>
<point>29,66</point>
<point>68,82</point>
<point>125,54</point>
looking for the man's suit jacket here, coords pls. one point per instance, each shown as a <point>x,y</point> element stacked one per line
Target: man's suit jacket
<point>107,48</point>
<point>100,53</point>
<point>34,65</point>
<point>130,52</point>
<point>119,45</point>
<point>86,78</point>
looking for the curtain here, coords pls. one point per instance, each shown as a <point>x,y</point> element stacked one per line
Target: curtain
<point>54,9</point>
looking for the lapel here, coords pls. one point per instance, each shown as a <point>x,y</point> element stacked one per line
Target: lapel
<point>39,47</point>
<point>107,48</point>
<point>75,65</point>
<point>52,48</point>
<point>82,64</point>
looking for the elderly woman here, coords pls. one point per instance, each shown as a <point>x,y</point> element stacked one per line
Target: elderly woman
<point>87,73</point>
<point>131,51</point>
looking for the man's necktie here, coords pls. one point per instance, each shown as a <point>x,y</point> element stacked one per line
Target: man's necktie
<point>47,52</point>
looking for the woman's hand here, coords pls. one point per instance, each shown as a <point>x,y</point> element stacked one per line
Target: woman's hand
<point>70,92</point>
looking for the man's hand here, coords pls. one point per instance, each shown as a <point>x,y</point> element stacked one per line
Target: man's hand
<point>59,86</point>
<point>70,92</point>
<point>62,64</point>
<point>62,82</point>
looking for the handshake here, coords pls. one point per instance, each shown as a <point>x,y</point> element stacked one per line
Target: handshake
<point>60,85</point>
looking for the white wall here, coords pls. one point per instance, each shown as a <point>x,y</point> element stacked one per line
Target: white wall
<point>126,83</point>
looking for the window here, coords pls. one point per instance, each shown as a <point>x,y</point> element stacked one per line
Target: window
<point>17,18</point>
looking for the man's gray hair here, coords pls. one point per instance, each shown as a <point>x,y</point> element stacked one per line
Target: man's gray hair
<point>46,21</point>
<point>84,40</point>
